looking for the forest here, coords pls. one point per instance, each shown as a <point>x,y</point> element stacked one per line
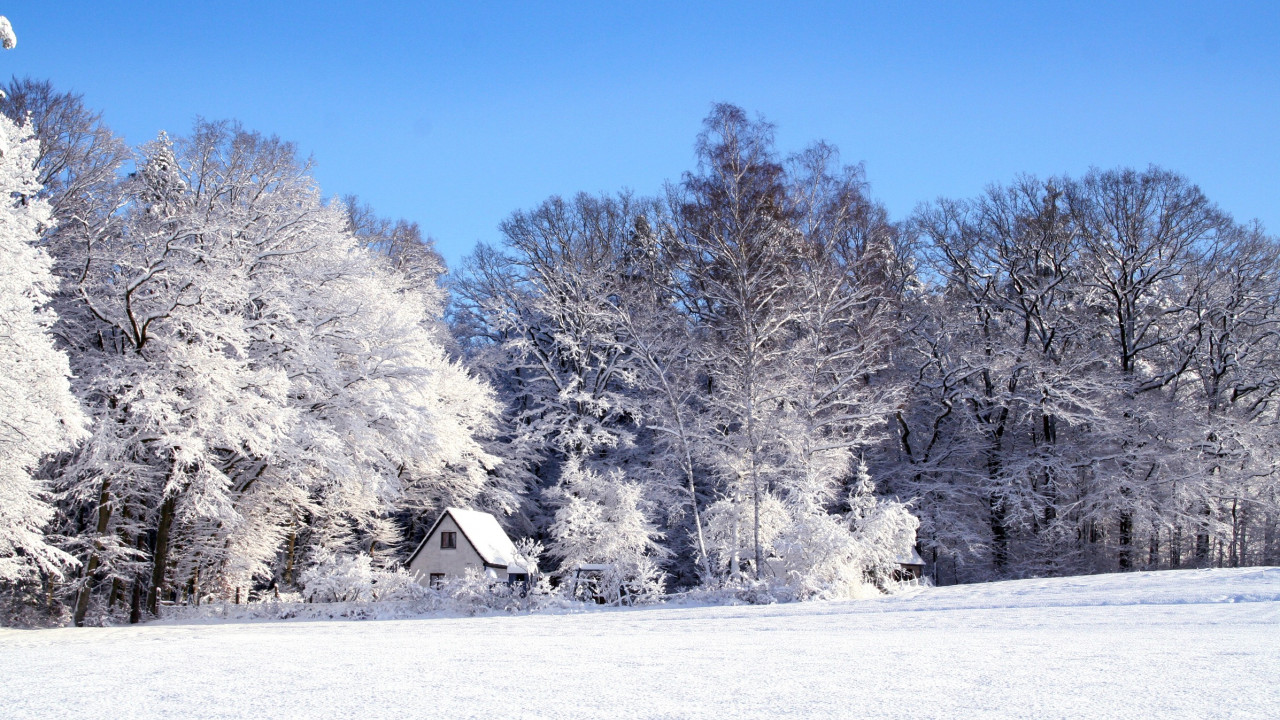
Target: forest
<point>216,380</point>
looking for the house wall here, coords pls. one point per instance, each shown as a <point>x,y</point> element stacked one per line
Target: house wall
<point>453,563</point>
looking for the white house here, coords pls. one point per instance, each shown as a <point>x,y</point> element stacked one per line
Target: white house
<point>464,540</point>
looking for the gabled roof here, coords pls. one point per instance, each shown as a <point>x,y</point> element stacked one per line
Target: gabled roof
<point>486,536</point>
<point>483,532</point>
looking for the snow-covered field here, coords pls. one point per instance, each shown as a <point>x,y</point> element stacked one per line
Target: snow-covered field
<point>1183,644</point>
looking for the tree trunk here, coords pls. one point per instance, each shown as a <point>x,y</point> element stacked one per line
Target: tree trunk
<point>1153,552</point>
<point>1050,423</point>
<point>755,527</point>
<point>697,525</point>
<point>735,559</point>
<point>1242,555</point>
<point>1202,539</point>
<point>160,556</point>
<point>1126,540</point>
<point>686,461</point>
<point>1232,559</point>
<point>998,519</point>
<point>104,517</point>
<point>999,533</point>
<point>82,598</point>
<point>117,585</point>
<point>135,603</point>
<point>1270,548</point>
<point>288,563</point>
<point>1175,548</point>
<point>755,471</point>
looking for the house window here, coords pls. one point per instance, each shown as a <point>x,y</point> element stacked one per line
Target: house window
<point>448,540</point>
<point>437,579</point>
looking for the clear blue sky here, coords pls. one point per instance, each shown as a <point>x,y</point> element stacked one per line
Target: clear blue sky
<point>456,114</point>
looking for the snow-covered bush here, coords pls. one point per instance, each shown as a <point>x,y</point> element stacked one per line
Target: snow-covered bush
<point>604,520</point>
<point>729,533</point>
<point>529,552</point>
<point>475,593</point>
<point>886,534</point>
<point>821,558</point>
<point>351,578</point>
<point>395,586</point>
<point>807,552</point>
<point>338,578</point>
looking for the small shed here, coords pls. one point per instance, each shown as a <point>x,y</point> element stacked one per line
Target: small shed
<point>462,540</point>
<point>585,581</point>
<point>910,566</point>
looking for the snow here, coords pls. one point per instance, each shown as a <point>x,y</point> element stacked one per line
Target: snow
<point>8,40</point>
<point>910,557</point>
<point>1176,644</point>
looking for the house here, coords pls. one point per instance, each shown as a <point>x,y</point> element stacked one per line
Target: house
<point>910,566</point>
<point>462,540</point>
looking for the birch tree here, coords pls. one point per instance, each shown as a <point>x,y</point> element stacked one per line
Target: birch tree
<point>737,254</point>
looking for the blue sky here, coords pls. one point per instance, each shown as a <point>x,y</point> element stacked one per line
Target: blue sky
<point>456,114</point>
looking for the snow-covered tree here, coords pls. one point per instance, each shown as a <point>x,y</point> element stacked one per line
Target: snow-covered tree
<point>788,275</point>
<point>997,356</point>
<point>738,255</point>
<point>263,384</point>
<point>539,318</point>
<point>1070,359</point>
<point>721,347</point>
<point>41,415</point>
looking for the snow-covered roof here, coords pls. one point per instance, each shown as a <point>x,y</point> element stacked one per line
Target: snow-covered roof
<point>485,535</point>
<point>911,557</point>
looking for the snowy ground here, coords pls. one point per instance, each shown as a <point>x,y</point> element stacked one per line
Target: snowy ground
<point>1186,644</point>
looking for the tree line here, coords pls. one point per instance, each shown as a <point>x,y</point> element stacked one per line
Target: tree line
<point>1062,375</point>
<point>754,381</point>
